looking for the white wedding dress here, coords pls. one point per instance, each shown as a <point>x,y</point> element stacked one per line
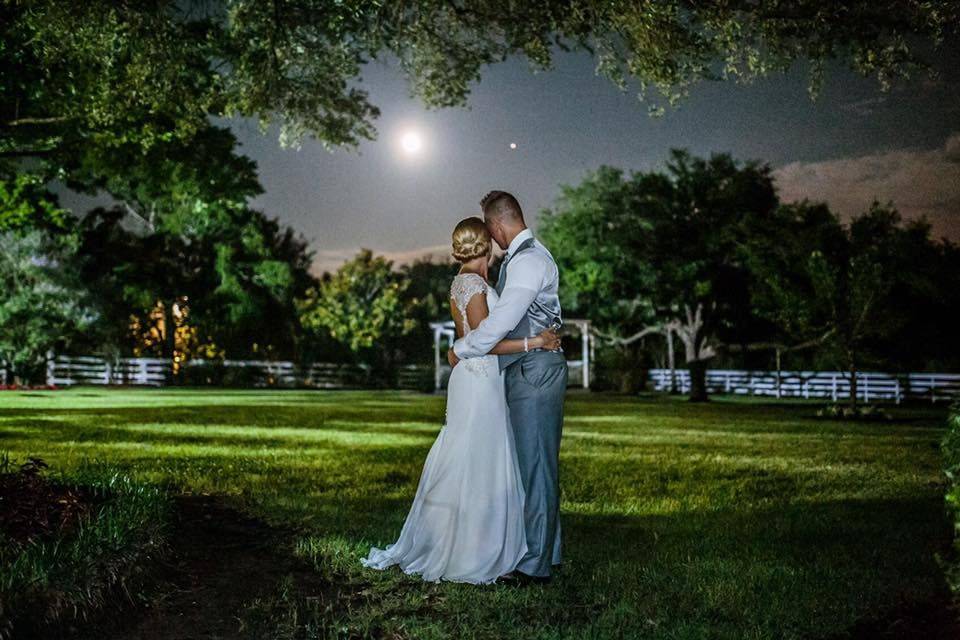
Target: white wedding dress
<point>466,522</point>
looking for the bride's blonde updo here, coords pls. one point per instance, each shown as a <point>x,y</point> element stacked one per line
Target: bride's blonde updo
<point>471,240</point>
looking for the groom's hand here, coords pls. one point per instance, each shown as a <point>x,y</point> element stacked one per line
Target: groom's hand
<point>452,358</point>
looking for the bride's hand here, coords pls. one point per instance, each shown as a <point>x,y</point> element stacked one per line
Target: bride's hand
<point>549,340</point>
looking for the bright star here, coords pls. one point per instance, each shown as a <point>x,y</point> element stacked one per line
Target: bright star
<point>513,145</point>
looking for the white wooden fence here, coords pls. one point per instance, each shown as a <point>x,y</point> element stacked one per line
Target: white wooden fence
<point>65,371</point>
<point>70,370</point>
<point>321,375</point>
<point>835,385</point>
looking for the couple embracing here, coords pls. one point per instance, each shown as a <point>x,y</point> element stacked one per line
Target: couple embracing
<point>487,506</point>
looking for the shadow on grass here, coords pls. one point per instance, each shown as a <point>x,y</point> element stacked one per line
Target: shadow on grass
<point>805,570</point>
<point>220,565</point>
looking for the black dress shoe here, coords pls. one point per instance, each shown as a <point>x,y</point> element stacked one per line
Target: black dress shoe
<point>521,579</point>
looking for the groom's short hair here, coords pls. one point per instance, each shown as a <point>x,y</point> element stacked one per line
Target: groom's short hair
<point>500,204</point>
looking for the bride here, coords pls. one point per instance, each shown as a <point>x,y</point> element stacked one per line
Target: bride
<point>466,522</point>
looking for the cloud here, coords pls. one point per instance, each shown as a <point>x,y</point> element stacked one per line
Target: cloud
<point>331,259</point>
<point>920,183</point>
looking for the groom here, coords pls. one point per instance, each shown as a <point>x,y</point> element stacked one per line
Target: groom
<point>535,381</point>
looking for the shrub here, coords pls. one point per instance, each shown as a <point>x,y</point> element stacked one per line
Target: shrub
<point>951,455</point>
<point>215,374</point>
<point>70,567</point>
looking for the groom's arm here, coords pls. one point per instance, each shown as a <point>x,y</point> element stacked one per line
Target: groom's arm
<point>523,284</point>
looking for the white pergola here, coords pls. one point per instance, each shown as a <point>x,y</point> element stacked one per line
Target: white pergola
<point>445,332</point>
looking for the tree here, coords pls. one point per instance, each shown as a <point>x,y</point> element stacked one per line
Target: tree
<point>139,278</point>
<point>929,340</point>
<point>227,293</point>
<point>361,306</point>
<point>597,233</point>
<point>846,289</point>
<point>260,269</point>
<point>43,303</point>
<point>25,203</point>
<point>926,299</point>
<point>658,252</point>
<point>186,207</point>
<point>702,286</point>
<point>427,296</point>
<point>192,189</point>
<point>107,73</point>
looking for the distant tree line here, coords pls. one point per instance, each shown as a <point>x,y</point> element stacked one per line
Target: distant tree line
<point>704,256</point>
<point>700,260</point>
<point>182,268</point>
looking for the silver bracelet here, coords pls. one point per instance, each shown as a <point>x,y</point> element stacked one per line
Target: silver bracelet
<point>526,347</point>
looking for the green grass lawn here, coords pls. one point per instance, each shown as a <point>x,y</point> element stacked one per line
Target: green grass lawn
<point>733,519</point>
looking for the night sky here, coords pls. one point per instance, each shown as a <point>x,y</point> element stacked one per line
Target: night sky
<point>853,144</point>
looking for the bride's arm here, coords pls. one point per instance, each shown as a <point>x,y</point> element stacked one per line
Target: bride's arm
<point>477,310</point>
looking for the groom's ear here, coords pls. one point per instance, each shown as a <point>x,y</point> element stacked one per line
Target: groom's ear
<point>496,232</point>
<point>490,227</point>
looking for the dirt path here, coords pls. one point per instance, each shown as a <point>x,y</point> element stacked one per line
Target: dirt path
<point>221,561</point>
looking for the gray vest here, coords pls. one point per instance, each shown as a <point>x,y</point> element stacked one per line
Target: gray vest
<point>538,317</point>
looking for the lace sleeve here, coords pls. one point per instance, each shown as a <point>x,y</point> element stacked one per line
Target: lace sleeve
<point>464,287</point>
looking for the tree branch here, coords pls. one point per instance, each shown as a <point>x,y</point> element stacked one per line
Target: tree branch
<point>767,346</point>
<point>21,122</point>
<point>615,339</point>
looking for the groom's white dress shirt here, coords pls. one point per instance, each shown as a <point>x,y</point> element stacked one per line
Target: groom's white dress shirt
<point>531,273</point>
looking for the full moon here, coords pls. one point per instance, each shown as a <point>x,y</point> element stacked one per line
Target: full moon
<point>411,142</point>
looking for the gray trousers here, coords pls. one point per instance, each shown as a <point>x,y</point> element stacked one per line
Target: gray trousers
<point>535,388</point>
